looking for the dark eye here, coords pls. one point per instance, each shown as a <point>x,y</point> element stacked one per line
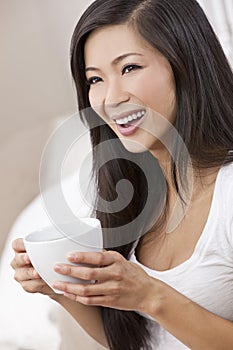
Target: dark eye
<point>93,80</point>
<point>130,67</point>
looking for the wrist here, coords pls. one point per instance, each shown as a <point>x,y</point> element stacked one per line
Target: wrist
<point>154,302</point>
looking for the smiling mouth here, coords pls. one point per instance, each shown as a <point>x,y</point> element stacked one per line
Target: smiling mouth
<point>131,119</point>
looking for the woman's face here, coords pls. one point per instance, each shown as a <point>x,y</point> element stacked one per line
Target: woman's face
<point>131,86</point>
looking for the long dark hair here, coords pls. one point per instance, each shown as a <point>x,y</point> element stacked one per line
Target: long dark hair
<point>204,98</point>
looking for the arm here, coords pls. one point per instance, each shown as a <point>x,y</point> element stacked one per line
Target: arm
<point>87,316</point>
<point>126,286</point>
<point>193,325</point>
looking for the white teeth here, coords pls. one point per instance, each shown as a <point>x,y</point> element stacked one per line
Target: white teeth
<point>120,121</point>
<point>130,118</point>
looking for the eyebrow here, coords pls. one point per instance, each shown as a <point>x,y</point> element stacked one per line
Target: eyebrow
<point>115,61</point>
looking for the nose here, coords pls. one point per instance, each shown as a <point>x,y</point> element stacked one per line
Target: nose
<point>115,95</point>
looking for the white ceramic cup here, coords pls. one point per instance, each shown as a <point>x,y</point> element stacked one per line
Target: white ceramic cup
<point>48,246</point>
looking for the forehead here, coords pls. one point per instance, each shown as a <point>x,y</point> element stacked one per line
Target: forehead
<point>112,41</point>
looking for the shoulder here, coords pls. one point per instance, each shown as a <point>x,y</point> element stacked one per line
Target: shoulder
<point>227,170</point>
<point>226,181</point>
<point>226,193</point>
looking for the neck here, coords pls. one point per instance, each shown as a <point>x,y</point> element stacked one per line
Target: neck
<point>199,183</point>
<point>201,177</point>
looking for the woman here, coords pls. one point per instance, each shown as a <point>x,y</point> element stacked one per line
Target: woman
<point>136,64</point>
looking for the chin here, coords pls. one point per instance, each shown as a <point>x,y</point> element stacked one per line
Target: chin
<point>133,146</point>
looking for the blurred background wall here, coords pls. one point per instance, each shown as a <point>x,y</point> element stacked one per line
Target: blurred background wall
<point>36,92</point>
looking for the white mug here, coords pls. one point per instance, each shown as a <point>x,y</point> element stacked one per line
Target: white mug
<point>48,246</point>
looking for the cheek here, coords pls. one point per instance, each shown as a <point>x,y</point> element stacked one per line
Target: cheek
<point>158,92</point>
<point>97,94</point>
<point>146,88</point>
<point>96,102</point>
<point>93,98</point>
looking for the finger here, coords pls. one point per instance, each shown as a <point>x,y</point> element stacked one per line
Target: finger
<point>26,274</point>
<point>88,290</point>
<point>20,260</point>
<point>35,286</point>
<point>95,258</point>
<point>90,273</point>
<point>96,300</point>
<point>18,245</point>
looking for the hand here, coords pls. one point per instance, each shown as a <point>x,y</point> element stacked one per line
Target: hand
<point>25,273</point>
<point>120,284</point>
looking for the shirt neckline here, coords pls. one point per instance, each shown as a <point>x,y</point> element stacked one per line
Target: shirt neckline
<point>198,247</point>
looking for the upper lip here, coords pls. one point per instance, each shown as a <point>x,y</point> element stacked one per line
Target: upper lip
<point>126,114</point>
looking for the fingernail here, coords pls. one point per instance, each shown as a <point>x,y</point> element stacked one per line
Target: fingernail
<point>36,274</point>
<point>72,256</point>
<point>70,296</point>
<point>26,259</point>
<point>60,268</point>
<point>58,285</point>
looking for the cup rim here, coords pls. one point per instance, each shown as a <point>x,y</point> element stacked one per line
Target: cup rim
<point>62,237</point>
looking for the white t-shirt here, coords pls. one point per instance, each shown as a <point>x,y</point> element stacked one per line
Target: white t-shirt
<point>207,276</point>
